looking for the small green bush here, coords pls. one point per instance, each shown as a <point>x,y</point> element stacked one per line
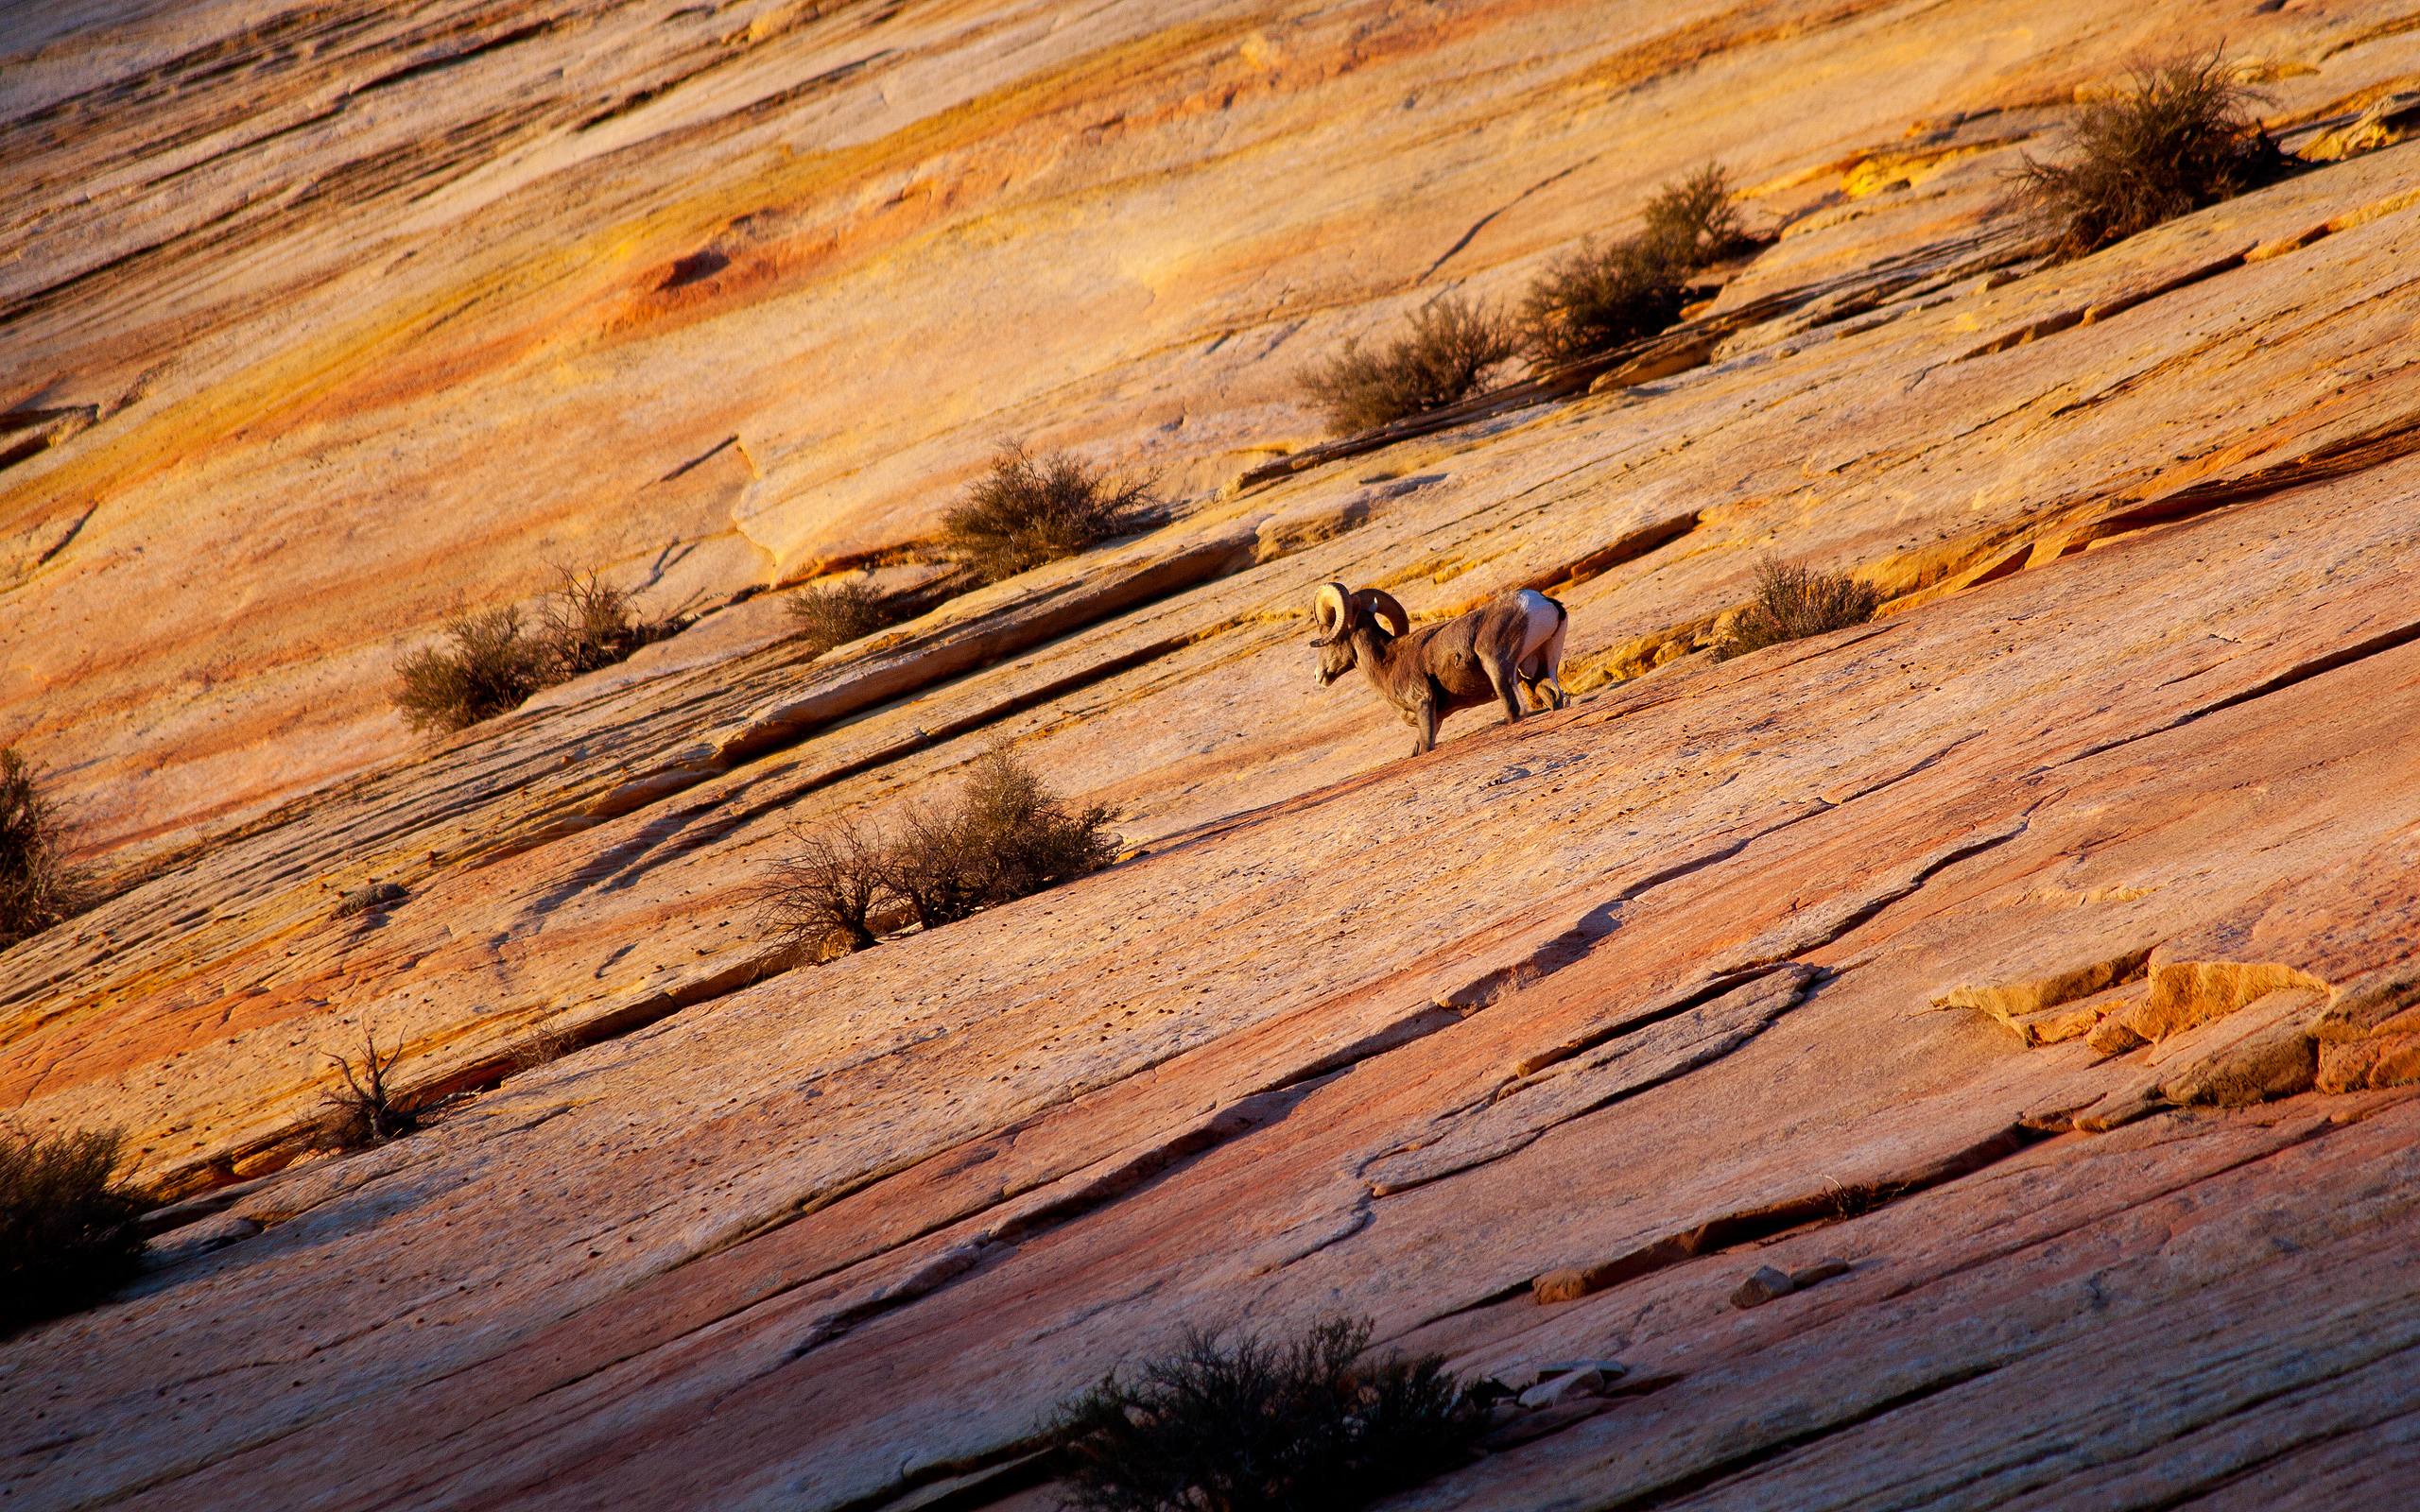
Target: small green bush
<point>1793,602</point>
<point>1303,1426</point>
<point>832,615</point>
<point>2180,137</point>
<point>1597,299</point>
<point>1453,345</point>
<point>37,887</point>
<point>1004,836</point>
<point>1024,512</point>
<point>68,1235</point>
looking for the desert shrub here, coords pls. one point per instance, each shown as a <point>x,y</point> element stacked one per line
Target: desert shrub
<point>492,660</point>
<point>1596,299</point>
<point>1003,835</point>
<point>486,666</point>
<point>821,900</point>
<point>1600,297</point>
<point>1251,1426</point>
<point>588,624</point>
<point>67,1228</point>
<point>1453,345</point>
<point>1695,221</point>
<point>834,615</point>
<point>1793,602</point>
<point>364,1109</point>
<point>37,887</point>
<point>1026,511</point>
<point>2179,137</point>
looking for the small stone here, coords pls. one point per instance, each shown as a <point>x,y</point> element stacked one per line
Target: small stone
<point>375,896</point>
<point>1610,1369</point>
<point>2114,1035</point>
<point>1763,1284</point>
<point>1568,1386</point>
<point>1823,1270</point>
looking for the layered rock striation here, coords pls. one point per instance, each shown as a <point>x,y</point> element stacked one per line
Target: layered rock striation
<point>2028,968</point>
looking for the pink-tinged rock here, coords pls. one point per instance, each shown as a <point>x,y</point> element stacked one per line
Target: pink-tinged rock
<point>1762,1285</point>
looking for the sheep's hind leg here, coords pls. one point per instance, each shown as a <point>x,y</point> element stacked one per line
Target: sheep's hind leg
<point>1507,678</point>
<point>1539,681</point>
<point>1550,665</point>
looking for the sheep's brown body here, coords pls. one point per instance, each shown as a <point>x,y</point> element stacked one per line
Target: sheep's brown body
<point>1499,651</point>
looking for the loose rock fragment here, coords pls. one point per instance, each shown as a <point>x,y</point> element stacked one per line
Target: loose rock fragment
<point>1566,1387</point>
<point>1823,1270</point>
<point>2276,1058</point>
<point>377,895</point>
<point>2114,1035</point>
<point>1763,1284</point>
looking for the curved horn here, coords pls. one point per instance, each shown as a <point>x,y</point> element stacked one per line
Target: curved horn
<point>1332,611</point>
<point>1381,603</point>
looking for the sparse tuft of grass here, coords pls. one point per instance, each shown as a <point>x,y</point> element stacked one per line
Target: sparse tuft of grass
<point>491,661</point>
<point>2179,137</point>
<point>1453,345</point>
<point>354,902</point>
<point>832,615</point>
<point>1026,511</point>
<point>1793,602</point>
<point>366,1109</point>
<point>37,886</point>
<point>67,1228</point>
<point>1254,1426</point>
<point>1004,836</point>
<point>1597,299</point>
<point>542,1049</point>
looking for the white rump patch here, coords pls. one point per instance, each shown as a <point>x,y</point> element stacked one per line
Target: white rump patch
<point>1543,620</point>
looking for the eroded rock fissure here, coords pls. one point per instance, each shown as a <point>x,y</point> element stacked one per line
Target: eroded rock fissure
<point>1834,1203</point>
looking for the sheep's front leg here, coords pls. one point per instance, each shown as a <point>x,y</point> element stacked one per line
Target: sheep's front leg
<point>1425,719</point>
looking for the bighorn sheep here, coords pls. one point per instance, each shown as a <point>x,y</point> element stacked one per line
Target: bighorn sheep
<point>1502,649</point>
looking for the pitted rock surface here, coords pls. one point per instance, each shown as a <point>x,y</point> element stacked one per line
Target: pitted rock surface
<point>2033,965</point>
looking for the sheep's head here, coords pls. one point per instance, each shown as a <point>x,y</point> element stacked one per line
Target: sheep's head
<point>1338,613</point>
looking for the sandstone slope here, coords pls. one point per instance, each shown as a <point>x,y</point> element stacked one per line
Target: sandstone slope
<point>2038,948</point>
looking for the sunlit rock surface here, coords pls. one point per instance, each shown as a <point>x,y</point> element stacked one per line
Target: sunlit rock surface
<point>2040,950</point>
